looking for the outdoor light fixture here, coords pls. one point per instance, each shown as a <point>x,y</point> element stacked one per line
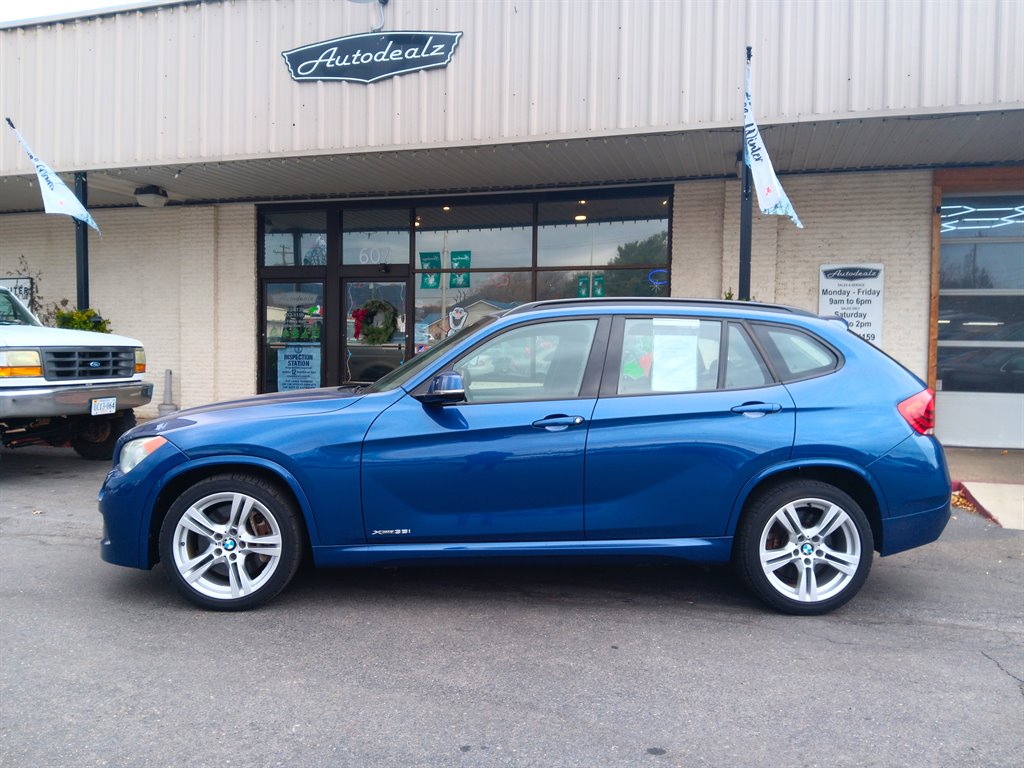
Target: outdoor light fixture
<point>446,207</point>
<point>151,196</point>
<point>580,217</point>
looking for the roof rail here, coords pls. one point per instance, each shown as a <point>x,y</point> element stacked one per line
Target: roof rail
<point>658,300</point>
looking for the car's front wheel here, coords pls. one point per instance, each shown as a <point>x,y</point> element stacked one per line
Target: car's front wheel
<point>231,542</point>
<point>804,547</point>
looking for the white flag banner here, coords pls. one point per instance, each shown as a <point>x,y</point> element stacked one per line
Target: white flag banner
<point>771,198</point>
<point>57,198</point>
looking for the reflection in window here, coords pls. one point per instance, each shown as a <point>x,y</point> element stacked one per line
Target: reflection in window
<point>474,237</point>
<point>744,369</point>
<point>585,283</point>
<point>981,294</point>
<point>294,336</point>
<point>292,239</point>
<point>375,334</point>
<point>471,260</point>
<point>982,216</point>
<point>616,232</point>
<point>442,310</point>
<point>542,361</point>
<point>375,237</point>
<point>664,354</point>
<point>795,355</point>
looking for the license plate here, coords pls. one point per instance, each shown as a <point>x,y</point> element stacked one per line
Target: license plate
<point>101,406</point>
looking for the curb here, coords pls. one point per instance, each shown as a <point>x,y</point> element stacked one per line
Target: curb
<point>959,487</point>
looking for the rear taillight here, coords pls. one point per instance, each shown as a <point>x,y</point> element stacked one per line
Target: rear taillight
<point>919,411</point>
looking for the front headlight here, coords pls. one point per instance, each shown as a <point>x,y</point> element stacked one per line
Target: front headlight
<point>140,360</point>
<point>20,362</point>
<point>134,451</point>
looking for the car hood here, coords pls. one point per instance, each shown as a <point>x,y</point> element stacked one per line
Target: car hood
<point>42,336</point>
<point>259,407</point>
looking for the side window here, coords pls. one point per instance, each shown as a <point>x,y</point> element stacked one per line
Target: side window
<point>744,368</point>
<point>795,354</point>
<point>542,361</point>
<point>669,354</point>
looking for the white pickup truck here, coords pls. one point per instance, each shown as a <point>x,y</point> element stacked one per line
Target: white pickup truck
<point>62,387</point>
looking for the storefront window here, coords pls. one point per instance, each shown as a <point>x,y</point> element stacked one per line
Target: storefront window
<point>981,295</point>
<point>375,237</point>
<point>295,239</point>
<point>461,259</point>
<point>474,236</point>
<point>294,336</point>
<point>596,233</point>
<point>442,310</point>
<point>458,248</point>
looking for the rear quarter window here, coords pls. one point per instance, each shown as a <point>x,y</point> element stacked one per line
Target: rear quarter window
<point>795,354</point>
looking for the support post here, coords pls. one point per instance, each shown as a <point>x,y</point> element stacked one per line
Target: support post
<point>82,242</point>
<point>746,215</point>
<point>746,220</point>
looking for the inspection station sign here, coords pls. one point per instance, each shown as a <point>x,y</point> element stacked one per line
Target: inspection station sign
<point>855,293</point>
<point>372,56</point>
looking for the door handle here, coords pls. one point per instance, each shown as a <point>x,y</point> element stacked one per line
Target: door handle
<point>755,409</point>
<point>558,422</point>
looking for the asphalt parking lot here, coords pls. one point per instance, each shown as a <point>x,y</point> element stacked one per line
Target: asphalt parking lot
<point>500,666</point>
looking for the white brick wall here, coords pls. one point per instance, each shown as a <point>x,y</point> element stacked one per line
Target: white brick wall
<point>180,279</point>
<point>855,218</point>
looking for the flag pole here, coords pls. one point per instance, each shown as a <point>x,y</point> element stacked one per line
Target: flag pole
<point>82,242</point>
<point>746,222</point>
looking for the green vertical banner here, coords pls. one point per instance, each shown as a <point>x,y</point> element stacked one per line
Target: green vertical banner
<point>599,286</point>
<point>430,260</point>
<point>460,261</point>
<point>583,286</point>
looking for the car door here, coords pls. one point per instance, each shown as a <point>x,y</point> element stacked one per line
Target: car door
<point>688,412</point>
<point>507,464</point>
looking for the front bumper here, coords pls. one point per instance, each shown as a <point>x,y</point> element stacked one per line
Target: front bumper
<point>126,502</point>
<point>37,402</point>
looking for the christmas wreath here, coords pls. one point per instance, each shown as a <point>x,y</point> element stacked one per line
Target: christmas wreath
<point>376,322</point>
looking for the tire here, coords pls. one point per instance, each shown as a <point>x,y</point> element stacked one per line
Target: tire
<point>783,558</point>
<point>95,437</point>
<point>231,542</point>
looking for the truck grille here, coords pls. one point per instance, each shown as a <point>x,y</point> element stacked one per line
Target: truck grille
<point>88,363</point>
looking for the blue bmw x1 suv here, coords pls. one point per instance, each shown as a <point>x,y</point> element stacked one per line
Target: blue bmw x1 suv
<point>706,431</point>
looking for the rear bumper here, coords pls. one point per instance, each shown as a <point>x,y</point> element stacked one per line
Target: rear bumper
<point>909,531</point>
<point>37,402</point>
<point>915,481</point>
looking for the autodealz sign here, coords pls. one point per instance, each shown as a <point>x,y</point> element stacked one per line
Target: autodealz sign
<point>372,56</point>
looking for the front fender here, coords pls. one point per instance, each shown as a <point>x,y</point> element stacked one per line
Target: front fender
<point>230,463</point>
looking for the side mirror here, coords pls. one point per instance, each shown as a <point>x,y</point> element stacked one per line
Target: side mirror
<point>444,389</point>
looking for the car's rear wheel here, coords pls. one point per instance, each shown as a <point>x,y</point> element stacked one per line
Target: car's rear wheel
<point>231,542</point>
<point>804,547</point>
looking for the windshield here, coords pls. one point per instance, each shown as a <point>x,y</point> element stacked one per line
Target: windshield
<point>12,312</point>
<point>410,368</point>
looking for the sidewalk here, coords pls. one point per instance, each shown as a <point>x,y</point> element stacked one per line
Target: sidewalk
<point>993,480</point>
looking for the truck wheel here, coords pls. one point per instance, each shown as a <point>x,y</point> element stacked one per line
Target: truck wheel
<point>96,437</point>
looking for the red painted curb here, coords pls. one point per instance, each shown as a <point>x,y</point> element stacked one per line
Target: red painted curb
<point>959,487</point>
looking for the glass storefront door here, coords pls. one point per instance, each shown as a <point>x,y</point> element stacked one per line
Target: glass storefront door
<point>980,365</point>
<point>375,339</point>
<point>294,336</point>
